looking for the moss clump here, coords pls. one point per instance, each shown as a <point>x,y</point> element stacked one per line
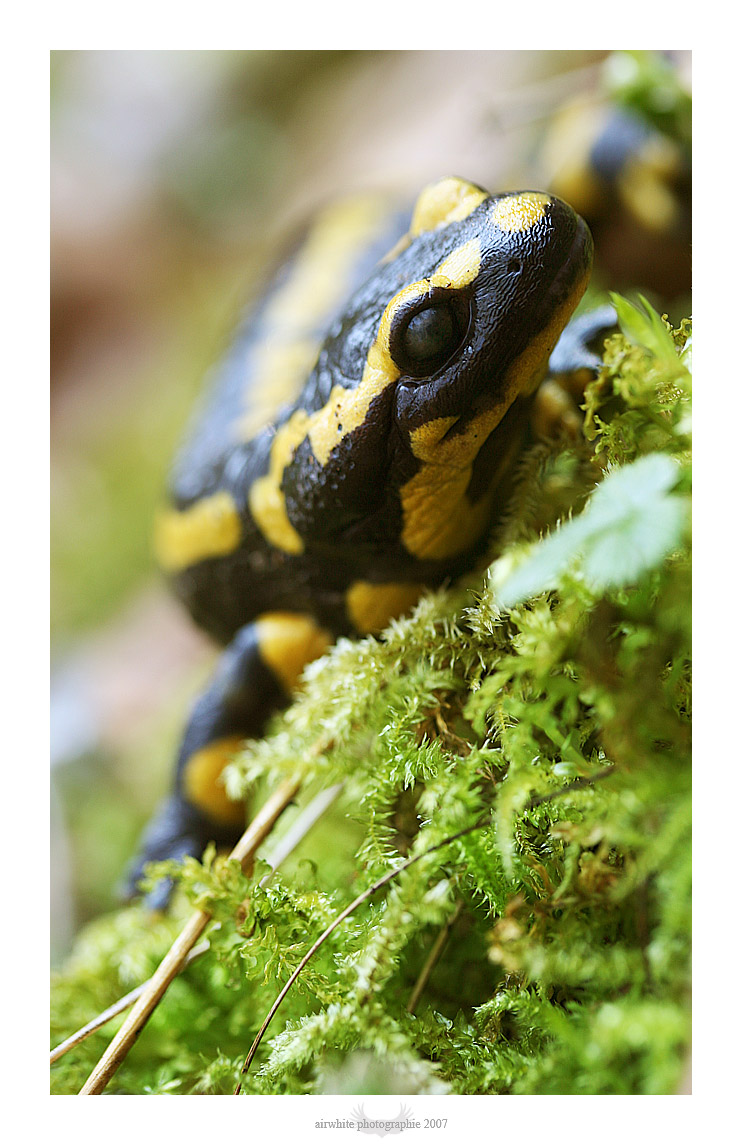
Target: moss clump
<point>549,702</point>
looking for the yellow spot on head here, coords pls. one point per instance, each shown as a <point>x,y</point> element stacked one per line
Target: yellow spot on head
<point>432,443</point>
<point>208,528</point>
<point>346,409</point>
<point>370,607</point>
<point>461,267</point>
<point>519,212</point>
<point>288,641</point>
<point>202,781</point>
<point>447,201</point>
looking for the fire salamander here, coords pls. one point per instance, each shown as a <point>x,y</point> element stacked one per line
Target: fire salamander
<point>322,490</point>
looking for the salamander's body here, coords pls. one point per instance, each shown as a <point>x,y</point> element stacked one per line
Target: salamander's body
<point>322,490</point>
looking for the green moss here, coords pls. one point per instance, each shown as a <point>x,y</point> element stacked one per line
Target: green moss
<point>548,700</point>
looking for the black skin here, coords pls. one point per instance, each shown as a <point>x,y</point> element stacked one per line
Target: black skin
<point>581,345</point>
<point>241,691</point>
<point>348,511</point>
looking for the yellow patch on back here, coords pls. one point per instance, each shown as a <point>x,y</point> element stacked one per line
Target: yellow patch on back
<point>370,607</point>
<point>447,201</point>
<point>519,212</point>
<point>317,285</point>
<point>210,527</point>
<point>266,499</point>
<point>202,784</point>
<point>280,370</point>
<point>288,641</point>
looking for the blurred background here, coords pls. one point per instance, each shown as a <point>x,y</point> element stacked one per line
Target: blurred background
<point>176,178</point>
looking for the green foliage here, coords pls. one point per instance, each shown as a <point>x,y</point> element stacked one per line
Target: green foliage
<point>631,522</point>
<point>648,84</point>
<point>547,707</point>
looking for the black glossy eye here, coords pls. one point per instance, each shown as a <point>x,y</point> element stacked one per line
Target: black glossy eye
<point>429,333</point>
<point>422,341</point>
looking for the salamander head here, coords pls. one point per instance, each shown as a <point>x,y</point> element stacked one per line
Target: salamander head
<point>430,354</point>
<point>484,300</point>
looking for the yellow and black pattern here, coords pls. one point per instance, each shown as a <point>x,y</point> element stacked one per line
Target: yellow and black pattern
<point>377,462</point>
<point>632,183</point>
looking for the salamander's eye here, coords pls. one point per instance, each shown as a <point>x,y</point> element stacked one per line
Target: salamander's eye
<point>423,338</point>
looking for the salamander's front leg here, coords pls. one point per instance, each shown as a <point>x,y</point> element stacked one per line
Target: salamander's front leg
<point>254,676</point>
<point>577,357</point>
<point>578,354</point>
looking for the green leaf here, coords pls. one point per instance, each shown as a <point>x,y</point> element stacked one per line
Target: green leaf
<point>645,328</point>
<point>630,525</point>
<point>654,89</point>
<point>636,524</point>
<point>513,581</point>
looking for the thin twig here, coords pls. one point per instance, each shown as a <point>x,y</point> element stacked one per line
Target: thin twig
<point>299,829</point>
<point>435,953</point>
<point>174,960</point>
<point>534,802</point>
<point>336,923</point>
<point>296,833</point>
<point>114,1010</point>
<point>581,781</point>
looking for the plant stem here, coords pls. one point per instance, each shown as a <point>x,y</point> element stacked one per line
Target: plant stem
<point>288,843</point>
<point>175,958</point>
